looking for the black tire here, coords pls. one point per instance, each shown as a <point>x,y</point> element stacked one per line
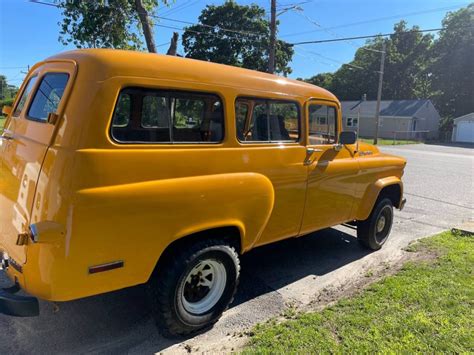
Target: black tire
<point>171,296</point>
<point>369,232</point>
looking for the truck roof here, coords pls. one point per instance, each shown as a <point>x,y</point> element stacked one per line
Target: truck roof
<point>111,62</point>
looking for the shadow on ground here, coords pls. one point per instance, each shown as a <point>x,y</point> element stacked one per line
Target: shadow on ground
<point>120,321</point>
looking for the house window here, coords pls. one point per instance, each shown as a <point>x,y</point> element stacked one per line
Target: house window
<point>352,122</point>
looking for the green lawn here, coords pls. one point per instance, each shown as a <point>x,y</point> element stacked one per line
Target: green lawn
<point>384,141</point>
<point>426,307</point>
<point>2,122</point>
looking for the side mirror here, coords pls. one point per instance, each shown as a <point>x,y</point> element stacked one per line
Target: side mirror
<point>7,110</point>
<point>347,137</point>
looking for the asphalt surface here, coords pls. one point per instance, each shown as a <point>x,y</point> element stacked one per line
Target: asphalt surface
<point>439,187</point>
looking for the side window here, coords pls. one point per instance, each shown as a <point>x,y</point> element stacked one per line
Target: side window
<point>159,116</point>
<point>269,121</point>
<point>48,96</point>
<point>322,124</point>
<point>122,111</point>
<point>24,96</point>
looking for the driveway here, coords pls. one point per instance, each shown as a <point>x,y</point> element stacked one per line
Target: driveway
<point>439,188</point>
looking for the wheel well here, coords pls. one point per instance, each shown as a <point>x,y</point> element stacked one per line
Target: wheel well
<point>393,192</point>
<point>229,234</point>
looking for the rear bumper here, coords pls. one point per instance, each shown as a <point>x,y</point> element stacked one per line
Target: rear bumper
<point>18,306</point>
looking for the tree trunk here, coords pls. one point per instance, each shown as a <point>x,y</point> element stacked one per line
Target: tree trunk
<point>147,29</point>
<point>174,44</point>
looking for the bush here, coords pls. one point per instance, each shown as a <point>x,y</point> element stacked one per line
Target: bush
<point>5,102</point>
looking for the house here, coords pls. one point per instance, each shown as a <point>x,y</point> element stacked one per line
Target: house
<point>399,119</point>
<point>463,129</point>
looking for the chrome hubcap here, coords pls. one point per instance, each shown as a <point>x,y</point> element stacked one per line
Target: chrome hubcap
<point>204,286</point>
<point>381,224</point>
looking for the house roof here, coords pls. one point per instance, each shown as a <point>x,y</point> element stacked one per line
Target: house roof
<point>468,117</point>
<point>397,108</point>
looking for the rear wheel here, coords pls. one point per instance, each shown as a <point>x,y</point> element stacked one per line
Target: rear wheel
<point>373,232</point>
<point>192,290</point>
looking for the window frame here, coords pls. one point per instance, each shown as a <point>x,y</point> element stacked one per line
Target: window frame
<point>167,91</point>
<point>36,87</point>
<point>267,99</point>
<point>35,75</point>
<point>329,103</point>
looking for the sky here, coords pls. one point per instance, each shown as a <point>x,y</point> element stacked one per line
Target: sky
<point>29,32</point>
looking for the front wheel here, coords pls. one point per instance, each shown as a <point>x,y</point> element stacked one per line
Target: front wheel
<point>373,232</point>
<point>192,290</point>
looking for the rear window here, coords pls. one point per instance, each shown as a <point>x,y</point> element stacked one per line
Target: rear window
<point>161,116</point>
<point>48,96</point>
<point>24,96</point>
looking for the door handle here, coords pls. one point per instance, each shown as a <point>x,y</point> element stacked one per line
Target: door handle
<point>309,154</point>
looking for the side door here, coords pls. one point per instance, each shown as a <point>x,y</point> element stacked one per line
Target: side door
<point>23,145</point>
<point>332,169</point>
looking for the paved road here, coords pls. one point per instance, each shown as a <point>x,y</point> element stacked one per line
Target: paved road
<point>439,188</point>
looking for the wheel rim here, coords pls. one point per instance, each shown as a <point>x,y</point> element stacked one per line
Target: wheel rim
<point>383,224</point>
<point>203,287</point>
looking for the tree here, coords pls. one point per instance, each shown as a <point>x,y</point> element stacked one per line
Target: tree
<point>323,80</point>
<point>453,66</point>
<point>7,91</point>
<point>406,66</point>
<point>108,23</point>
<point>235,35</point>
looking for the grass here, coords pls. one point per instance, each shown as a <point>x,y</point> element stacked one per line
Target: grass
<point>383,141</point>
<point>426,307</point>
<point>2,121</point>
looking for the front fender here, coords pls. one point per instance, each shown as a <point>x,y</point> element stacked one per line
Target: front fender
<point>372,192</point>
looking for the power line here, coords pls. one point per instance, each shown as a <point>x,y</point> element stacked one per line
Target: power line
<point>373,36</point>
<point>247,33</point>
<point>180,7</point>
<point>23,67</point>
<point>376,20</point>
<point>333,34</point>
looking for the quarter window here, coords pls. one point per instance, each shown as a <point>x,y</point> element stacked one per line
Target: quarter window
<point>48,96</point>
<point>322,124</point>
<point>260,120</point>
<point>24,96</point>
<point>159,116</point>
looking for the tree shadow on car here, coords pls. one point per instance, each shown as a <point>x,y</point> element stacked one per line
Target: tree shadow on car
<point>121,322</point>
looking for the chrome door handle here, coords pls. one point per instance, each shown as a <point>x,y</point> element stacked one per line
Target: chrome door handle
<point>309,154</point>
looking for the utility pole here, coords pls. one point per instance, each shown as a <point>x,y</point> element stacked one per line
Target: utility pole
<point>271,51</point>
<point>147,30</point>
<point>379,94</point>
